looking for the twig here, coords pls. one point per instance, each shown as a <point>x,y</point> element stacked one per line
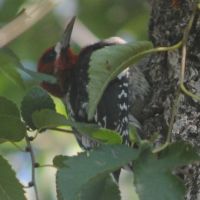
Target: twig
<point>26,19</point>
<point>33,181</point>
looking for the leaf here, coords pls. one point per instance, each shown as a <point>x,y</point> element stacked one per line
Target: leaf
<point>35,99</point>
<point>10,188</point>
<point>7,107</point>
<point>25,20</point>
<point>17,63</point>
<point>153,175</point>
<point>103,188</point>
<point>179,154</point>
<point>100,134</point>
<point>11,128</point>
<point>111,190</point>
<point>81,171</point>
<point>7,67</point>
<point>37,76</point>
<point>133,135</point>
<point>46,118</point>
<point>107,63</point>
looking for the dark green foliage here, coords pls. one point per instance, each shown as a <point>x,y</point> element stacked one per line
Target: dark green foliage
<point>102,135</point>
<point>8,68</point>
<point>46,118</point>
<point>153,176</point>
<point>11,126</point>
<point>10,188</point>
<point>7,107</point>
<point>86,175</point>
<point>36,99</point>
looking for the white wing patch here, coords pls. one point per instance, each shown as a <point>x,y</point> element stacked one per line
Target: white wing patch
<point>122,94</point>
<point>123,106</point>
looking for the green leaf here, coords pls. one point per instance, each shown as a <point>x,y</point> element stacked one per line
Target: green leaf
<point>103,188</point>
<point>111,190</point>
<point>10,188</point>
<point>12,74</point>
<point>107,63</point>
<point>17,63</point>
<point>153,174</point>
<point>100,134</point>
<point>35,99</point>
<point>7,107</point>
<point>133,135</point>
<point>8,68</point>
<point>179,154</point>
<point>37,76</point>
<point>81,171</point>
<point>46,118</point>
<point>11,128</point>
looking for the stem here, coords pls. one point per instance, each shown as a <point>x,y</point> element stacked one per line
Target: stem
<point>173,116</point>
<point>153,50</point>
<point>47,165</point>
<point>184,55</point>
<point>188,93</point>
<point>157,150</point>
<point>61,130</point>
<point>189,25</point>
<point>33,166</point>
<point>17,146</point>
<point>183,63</point>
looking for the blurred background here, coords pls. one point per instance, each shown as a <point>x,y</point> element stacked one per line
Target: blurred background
<point>96,19</point>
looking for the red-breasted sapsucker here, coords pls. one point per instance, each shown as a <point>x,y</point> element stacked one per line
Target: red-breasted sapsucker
<point>116,107</point>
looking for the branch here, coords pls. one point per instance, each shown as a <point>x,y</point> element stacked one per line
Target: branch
<point>26,19</point>
<point>33,181</point>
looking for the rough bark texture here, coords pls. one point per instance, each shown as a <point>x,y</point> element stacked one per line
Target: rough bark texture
<point>167,23</point>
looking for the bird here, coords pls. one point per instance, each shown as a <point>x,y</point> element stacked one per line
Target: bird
<point>119,100</point>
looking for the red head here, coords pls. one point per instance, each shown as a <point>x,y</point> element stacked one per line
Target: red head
<point>58,61</point>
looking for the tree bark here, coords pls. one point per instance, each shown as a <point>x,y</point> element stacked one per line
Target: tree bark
<point>168,22</point>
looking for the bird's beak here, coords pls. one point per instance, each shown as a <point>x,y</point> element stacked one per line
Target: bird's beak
<point>65,41</point>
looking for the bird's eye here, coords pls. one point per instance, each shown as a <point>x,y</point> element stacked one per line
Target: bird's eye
<point>49,56</point>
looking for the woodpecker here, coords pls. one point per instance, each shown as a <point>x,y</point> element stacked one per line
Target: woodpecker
<point>71,72</point>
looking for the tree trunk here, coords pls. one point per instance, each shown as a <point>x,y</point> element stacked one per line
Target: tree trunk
<point>169,19</point>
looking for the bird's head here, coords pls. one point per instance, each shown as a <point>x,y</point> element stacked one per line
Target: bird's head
<point>58,61</point>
